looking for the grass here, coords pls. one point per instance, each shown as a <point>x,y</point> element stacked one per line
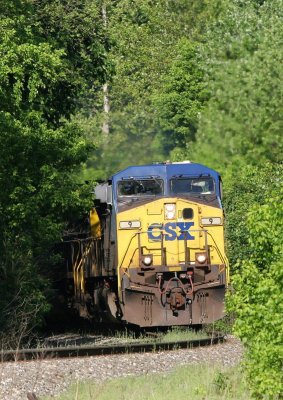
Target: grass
<point>172,335</point>
<point>194,382</point>
<point>176,334</point>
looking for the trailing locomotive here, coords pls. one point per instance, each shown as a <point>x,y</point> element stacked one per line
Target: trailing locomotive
<point>154,251</point>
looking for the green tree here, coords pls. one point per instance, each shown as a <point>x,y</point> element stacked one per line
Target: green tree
<point>243,59</point>
<point>182,97</point>
<point>258,298</point>
<point>48,60</point>
<point>145,37</point>
<point>244,187</point>
<point>216,101</point>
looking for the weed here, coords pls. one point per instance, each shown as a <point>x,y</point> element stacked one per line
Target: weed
<point>221,382</point>
<point>194,382</point>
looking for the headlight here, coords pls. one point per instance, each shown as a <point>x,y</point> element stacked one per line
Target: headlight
<point>170,211</point>
<point>201,258</point>
<point>147,260</point>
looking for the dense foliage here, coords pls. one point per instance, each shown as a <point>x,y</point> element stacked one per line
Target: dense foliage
<point>182,98</point>
<point>144,36</point>
<point>47,60</point>
<point>246,186</point>
<point>243,118</point>
<point>258,298</point>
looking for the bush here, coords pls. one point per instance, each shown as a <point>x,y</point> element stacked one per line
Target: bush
<point>244,186</point>
<point>258,298</point>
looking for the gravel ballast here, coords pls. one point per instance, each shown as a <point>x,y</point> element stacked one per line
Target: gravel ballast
<point>50,377</point>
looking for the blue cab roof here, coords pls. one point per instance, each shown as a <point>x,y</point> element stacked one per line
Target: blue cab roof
<point>166,171</point>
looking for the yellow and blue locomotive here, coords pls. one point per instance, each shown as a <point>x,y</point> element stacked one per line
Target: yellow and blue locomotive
<point>154,254</point>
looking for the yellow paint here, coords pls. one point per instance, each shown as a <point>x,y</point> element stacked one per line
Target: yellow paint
<point>78,269</point>
<point>153,212</point>
<point>95,226</point>
<point>79,264</point>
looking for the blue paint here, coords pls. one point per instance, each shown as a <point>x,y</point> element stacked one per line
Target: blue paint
<point>170,231</point>
<point>174,231</point>
<point>185,227</point>
<point>152,234</point>
<point>165,172</point>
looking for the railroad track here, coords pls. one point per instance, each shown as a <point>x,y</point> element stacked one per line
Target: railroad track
<point>96,350</point>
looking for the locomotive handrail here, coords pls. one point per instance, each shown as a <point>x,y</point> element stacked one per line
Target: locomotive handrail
<point>205,231</point>
<point>78,264</point>
<point>89,238</point>
<point>133,236</point>
<point>222,257</point>
<point>79,280</point>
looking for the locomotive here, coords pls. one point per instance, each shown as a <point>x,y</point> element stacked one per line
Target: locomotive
<point>152,253</point>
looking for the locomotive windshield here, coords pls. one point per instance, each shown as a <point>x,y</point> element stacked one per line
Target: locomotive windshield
<point>140,187</point>
<point>201,185</point>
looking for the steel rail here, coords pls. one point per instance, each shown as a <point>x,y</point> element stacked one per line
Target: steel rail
<point>98,350</point>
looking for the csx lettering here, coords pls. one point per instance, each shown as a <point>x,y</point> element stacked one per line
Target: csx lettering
<point>173,231</point>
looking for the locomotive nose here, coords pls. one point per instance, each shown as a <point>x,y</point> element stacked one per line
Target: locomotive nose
<point>171,224</point>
